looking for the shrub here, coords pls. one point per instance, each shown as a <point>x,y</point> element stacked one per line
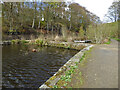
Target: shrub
<point>24,41</point>
<point>39,42</point>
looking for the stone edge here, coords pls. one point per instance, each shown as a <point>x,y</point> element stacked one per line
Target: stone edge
<point>56,77</point>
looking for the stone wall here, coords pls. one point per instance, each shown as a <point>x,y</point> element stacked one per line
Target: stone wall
<point>51,82</point>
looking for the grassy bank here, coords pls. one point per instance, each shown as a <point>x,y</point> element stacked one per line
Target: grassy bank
<point>65,80</point>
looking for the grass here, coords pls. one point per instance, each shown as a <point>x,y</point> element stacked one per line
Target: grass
<point>39,42</point>
<point>116,39</point>
<point>17,41</point>
<point>68,73</point>
<point>82,57</point>
<point>65,79</point>
<point>63,82</point>
<point>24,41</point>
<point>107,42</point>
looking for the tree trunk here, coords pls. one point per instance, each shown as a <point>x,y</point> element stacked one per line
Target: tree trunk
<point>39,25</point>
<point>11,15</point>
<point>70,25</point>
<point>47,27</point>
<point>33,23</point>
<point>34,15</point>
<point>64,31</point>
<point>52,31</point>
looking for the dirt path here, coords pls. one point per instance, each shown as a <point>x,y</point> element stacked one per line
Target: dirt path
<point>99,70</point>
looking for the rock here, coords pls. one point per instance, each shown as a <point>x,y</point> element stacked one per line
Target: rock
<point>34,50</point>
<point>57,38</point>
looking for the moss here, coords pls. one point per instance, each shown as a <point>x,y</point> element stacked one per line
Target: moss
<point>48,84</point>
<point>53,77</point>
<point>60,83</point>
<point>51,86</point>
<point>59,73</point>
<point>82,57</point>
<point>62,44</point>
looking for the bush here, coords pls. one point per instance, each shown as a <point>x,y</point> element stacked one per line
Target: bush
<point>39,42</point>
<point>15,41</point>
<point>24,41</point>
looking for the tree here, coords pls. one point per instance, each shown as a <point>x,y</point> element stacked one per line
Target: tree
<point>113,11</point>
<point>59,17</point>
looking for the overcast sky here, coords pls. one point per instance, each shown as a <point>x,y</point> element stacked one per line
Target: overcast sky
<point>98,7</point>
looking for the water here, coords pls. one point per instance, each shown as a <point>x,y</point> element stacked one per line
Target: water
<point>23,68</point>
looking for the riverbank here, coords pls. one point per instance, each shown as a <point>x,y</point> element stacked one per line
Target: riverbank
<point>66,70</point>
<point>69,66</point>
<point>67,45</point>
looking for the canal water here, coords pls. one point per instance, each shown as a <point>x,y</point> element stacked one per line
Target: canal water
<point>22,68</point>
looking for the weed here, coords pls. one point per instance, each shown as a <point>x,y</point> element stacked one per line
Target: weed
<point>80,73</point>
<point>24,41</point>
<point>39,42</point>
<point>13,41</point>
<point>107,42</point>
<point>55,86</point>
<point>116,39</point>
<point>82,57</point>
<point>76,63</point>
<point>81,81</point>
<point>65,84</point>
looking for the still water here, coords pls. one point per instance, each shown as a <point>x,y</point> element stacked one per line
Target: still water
<point>23,68</point>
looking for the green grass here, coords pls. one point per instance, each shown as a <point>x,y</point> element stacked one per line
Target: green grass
<point>67,78</point>
<point>19,41</point>
<point>39,42</point>
<point>116,39</point>
<point>107,42</point>
<point>82,57</point>
<point>68,73</point>
<point>15,41</point>
<point>24,41</point>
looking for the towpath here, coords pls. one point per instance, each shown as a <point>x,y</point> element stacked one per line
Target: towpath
<point>99,69</point>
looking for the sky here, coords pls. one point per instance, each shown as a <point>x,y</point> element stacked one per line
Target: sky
<point>98,7</point>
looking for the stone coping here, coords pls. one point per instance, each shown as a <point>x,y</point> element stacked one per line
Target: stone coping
<point>56,77</point>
